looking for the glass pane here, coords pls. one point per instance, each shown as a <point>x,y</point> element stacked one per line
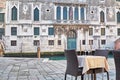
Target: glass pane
<point>83,42</point>
<point>58,13</point>
<point>82,13</point>
<point>36,43</point>
<point>51,42</point>
<point>36,31</point>
<point>65,13</point>
<point>13,43</point>
<point>102,31</point>
<point>1,17</point>
<point>103,42</point>
<point>90,42</point>
<point>51,31</point>
<point>118,17</point>
<point>13,31</point>
<point>36,14</point>
<point>118,31</point>
<point>91,31</point>
<point>70,13</point>
<point>101,16</point>
<point>2,32</point>
<point>76,16</point>
<point>59,42</point>
<point>14,13</point>
<point>71,34</point>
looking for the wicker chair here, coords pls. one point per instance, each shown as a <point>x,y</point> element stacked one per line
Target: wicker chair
<point>116,54</point>
<point>104,53</point>
<point>72,65</point>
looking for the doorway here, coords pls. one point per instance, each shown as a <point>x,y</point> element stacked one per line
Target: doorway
<point>71,39</point>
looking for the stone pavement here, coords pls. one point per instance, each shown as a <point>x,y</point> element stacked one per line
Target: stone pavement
<point>40,69</point>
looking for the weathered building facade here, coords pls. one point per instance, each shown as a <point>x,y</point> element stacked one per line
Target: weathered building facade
<point>2,24</point>
<point>55,25</point>
<point>2,17</point>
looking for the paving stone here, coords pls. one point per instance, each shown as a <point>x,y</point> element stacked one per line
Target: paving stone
<point>3,78</point>
<point>5,75</point>
<point>24,73</point>
<point>33,78</point>
<point>40,69</point>
<point>12,78</point>
<point>41,77</point>
<point>22,77</point>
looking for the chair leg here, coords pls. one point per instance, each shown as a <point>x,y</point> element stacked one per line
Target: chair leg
<point>72,77</point>
<point>65,76</point>
<point>91,76</point>
<point>82,77</point>
<point>107,76</point>
<point>75,77</point>
<point>94,76</point>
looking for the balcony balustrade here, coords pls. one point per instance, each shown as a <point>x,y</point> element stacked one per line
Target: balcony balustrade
<point>83,22</point>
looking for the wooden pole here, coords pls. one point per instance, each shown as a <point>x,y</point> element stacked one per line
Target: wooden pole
<point>1,54</point>
<point>38,52</point>
<point>1,50</point>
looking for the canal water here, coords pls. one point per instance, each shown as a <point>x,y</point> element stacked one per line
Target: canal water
<point>63,57</point>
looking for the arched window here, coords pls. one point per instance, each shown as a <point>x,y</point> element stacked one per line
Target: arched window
<point>70,13</point>
<point>58,16</point>
<point>14,13</point>
<point>82,13</point>
<point>71,34</point>
<point>76,16</point>
<point>102,17</point>
<point>36,14</point>
<point>65,13</point>
<point>118,17</point>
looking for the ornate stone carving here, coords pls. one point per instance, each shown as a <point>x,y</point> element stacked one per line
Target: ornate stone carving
<point>14,3</point>
<point>65,28</point>
<point>25,8</point>
<point>110,14</point>
<point>25,11</point>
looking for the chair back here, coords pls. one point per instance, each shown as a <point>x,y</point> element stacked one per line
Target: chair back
<point>72,62</point>
<point>101,52</point>
<point>116,54</point>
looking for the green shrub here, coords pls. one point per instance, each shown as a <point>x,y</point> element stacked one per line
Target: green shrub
<point>33,54</point>
<point>52,53</point>
<point>20,55</point>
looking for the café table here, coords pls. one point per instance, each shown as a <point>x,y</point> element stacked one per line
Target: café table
<point>92,62</point>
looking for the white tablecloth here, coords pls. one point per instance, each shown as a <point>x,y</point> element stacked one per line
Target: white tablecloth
<point>90,62</point>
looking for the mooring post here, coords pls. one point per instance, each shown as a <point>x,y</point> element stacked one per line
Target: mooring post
<point>1,52</point>
<point>38,52</point>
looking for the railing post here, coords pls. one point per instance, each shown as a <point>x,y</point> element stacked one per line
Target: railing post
<point>38,52</point>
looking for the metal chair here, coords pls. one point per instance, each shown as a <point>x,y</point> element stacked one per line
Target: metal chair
<point>99,52</point>
<point>116,54</point>
<point>72,65</point>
